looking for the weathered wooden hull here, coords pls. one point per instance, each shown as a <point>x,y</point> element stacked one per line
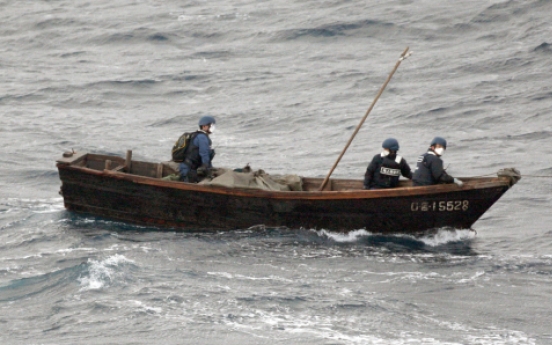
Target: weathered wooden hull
<point>152,201</point>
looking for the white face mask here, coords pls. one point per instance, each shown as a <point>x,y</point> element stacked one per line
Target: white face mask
<point>439,151</point>
<point>212,128</point>
<point>384,153</point>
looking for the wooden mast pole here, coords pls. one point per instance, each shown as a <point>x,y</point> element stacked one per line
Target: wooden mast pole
<point>404,55</point>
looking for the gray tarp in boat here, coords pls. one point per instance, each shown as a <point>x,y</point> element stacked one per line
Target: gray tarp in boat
<point>254,180</point>
<point>248,179</point>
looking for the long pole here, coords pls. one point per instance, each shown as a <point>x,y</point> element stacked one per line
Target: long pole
<point>404,55</point>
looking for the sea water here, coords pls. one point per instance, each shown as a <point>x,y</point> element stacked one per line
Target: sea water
<point>288,82</point>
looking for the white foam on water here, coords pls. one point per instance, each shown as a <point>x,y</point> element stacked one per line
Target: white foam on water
<point>292,326</point>
<point>271,277</point>
<point>351,236</point>
<point>409,276</point>
<point>444,236</point>
<point>345,291</point>
<point>46,208</point>
<point>102,273</point>
<point>243,277</point>
<point>70,250</point>
<point>472,278</point>
<point>185,17</point>
<point>51,205</point>
<point>221,274</point>
<point>323,327</point>
<point>6,211</point>
<point>143,307</point>
<point>502,337</point>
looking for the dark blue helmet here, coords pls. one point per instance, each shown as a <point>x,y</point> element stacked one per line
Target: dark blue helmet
<point>206,120</point>
<point>439,141</point>
<point>391,144</point>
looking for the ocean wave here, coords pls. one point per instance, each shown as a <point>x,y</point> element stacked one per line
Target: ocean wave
<point>50,205</point>
<point>245,277</point>
<point>45,285</point>
<point>289,82</point>
<point>440,237</point>
<point>544,47</point>
<point>542,96</point>
<point>362,28</point>
<point>57,22</point>
<point>447,236</point>
<point>129,84</point>
<point>136,36</point>
<point>348,237</point>
<point>103,273</point>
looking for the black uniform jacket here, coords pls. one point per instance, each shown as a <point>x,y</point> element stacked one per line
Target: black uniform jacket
<point>384,172</point>
<point>429,170</point>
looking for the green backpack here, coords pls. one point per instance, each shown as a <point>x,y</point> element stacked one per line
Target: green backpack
<point>181,146</point>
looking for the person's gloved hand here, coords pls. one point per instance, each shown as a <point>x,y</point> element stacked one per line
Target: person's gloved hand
<point>458,182</point>
<point>202,170</point>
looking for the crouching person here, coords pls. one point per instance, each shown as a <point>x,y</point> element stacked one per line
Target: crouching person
<point>199,155</point>
<point>385,168</point>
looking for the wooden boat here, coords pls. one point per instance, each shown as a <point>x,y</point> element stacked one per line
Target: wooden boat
<point>133,191</point>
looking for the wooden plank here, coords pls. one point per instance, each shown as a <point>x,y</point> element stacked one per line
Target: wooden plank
<point>146,169</point>
<point>311,184</point>
<point>103,158</point>
<point>128,161</point>
<point>108,164</point>
<point>159,170</point>
<point>74,158</point>
<point>97,162</point>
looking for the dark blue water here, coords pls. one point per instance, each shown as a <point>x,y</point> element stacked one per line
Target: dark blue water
<point>288,81</point>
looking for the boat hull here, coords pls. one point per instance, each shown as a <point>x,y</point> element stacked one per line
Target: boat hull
<point>150,201</point>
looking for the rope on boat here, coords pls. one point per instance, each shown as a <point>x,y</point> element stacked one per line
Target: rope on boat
<point>488,175</point>
<point>520,175</point>
<point>524,175</point>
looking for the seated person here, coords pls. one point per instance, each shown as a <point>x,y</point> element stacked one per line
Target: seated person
<point>429,168</point>
<point>386,168</point>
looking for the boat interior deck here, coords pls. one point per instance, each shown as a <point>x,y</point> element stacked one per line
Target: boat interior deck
<point>162,169</point>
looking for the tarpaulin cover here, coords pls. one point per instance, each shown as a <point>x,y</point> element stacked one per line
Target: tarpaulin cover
<point>253,180</point>
<point>243,178</point>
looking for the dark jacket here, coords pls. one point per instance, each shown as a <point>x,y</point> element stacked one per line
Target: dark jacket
<point>429,170</point>
<point>200,152</point>
<point>384,172</point>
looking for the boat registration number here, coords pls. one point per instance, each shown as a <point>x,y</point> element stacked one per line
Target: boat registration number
<point>441,206</point>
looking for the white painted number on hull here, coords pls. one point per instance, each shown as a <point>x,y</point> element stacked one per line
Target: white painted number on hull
<point>441,206</point>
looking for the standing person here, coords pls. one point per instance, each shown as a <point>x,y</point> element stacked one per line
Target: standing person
<point>199,155</point>
<point>385,168</point>
<point>429,168</point>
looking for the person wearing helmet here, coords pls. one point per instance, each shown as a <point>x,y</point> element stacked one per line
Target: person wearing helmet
<point>385,168</point>
<point>429,168</point>
<point>197,162</point>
